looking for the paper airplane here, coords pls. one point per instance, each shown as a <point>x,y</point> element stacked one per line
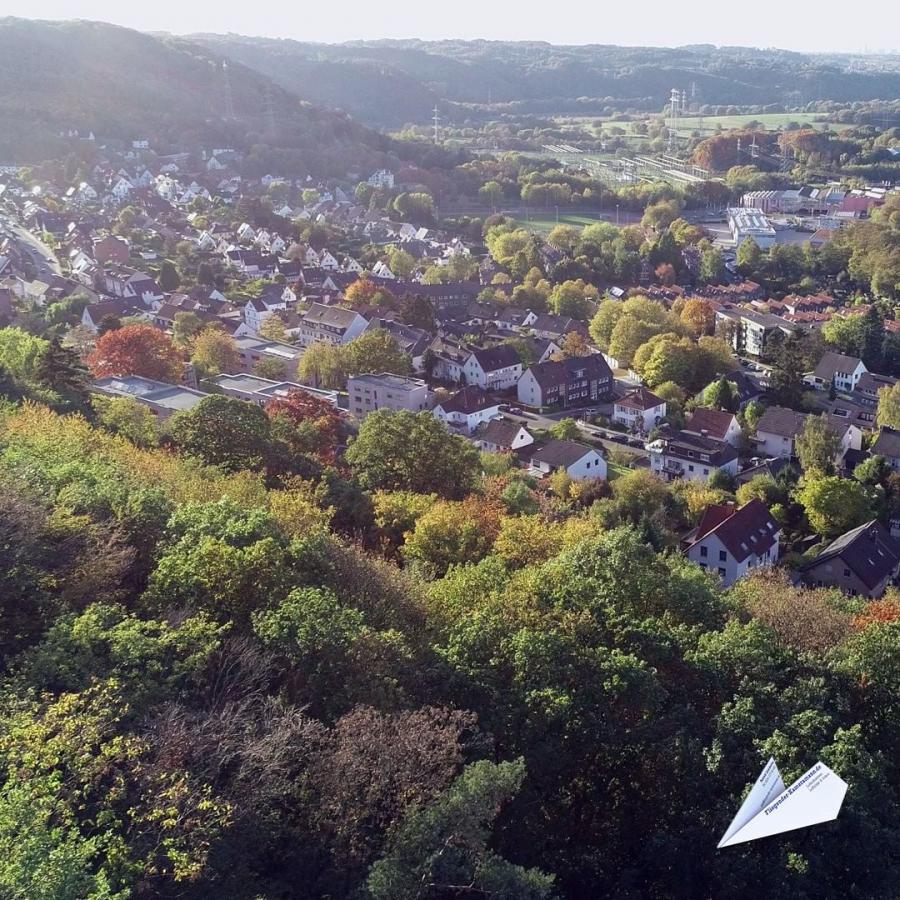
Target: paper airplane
<point>770,808</point>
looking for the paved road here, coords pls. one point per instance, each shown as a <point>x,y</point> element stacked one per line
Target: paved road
<point>46,265</point>
<point>603,436</point>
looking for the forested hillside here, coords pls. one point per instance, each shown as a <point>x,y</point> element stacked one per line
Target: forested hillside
<point>392,82</point>
<point>121,84</point>
<point>218,682</point>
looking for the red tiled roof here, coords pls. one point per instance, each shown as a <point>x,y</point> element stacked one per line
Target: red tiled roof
<point>749,529</point>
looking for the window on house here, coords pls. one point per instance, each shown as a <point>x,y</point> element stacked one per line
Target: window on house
<point>704,551</point>
<point>723,555</point>
<point>722,572</point>
<point>846,573</point>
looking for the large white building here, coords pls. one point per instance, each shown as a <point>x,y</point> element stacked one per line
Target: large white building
<point>750,223</point>
<point>371,392</point>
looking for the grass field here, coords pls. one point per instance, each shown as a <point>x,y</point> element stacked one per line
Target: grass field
<point>710,124</point>
<point>770,121</point>
<point>547,221</point>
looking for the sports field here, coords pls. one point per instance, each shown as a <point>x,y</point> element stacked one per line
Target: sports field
<point>543,221</point>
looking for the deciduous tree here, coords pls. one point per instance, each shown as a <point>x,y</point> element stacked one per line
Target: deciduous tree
<point>136,350</point>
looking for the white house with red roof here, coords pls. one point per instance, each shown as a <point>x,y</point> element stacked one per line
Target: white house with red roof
<point>731,541</point>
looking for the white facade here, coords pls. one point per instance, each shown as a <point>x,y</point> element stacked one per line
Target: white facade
<point>591,466</point>
<point>471,420</point>
<point>634,419</point>
<point>669,466</point>
<point>496,379</point>
<point>710,553</point>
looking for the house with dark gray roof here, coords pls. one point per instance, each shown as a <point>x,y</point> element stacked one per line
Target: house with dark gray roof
<point>868,388</point>
<point>836,369</point>
<point>579,381</point>
<point>329,325</point>
<point>468,408</point>
<point>777,430</point>
<point>693,457</point>
<point>731,540</point>
<point>502,436</point>
<point>579,461</point>
<point>863,562</point>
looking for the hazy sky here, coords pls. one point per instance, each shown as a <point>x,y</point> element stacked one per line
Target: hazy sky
<point>762,23</point>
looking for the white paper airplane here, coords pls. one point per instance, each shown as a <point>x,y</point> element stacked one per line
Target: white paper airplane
<point>770,808</point>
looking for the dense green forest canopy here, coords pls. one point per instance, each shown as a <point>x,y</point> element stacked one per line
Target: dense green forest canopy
<point>216,680</point>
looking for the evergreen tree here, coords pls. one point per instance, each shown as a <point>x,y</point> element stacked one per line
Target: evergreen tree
<point>787,375</point>
<point>62,371</point>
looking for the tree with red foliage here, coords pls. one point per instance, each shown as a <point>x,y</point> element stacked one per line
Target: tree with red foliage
<point>136,350</point>
<point>879,612</point>
<point>306,423</point>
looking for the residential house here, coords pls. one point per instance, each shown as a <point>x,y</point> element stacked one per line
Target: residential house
<point>887,444</point>
<point>122,281</point>
<point>867,387</point>
<point>371,392</point>
<point>553,327</point>
<point>94,313</point>
<point>330,325</point>
<point>777,430</point>
<point>863,562</point>
<point>714,423</point>
<point>578,460</point>
<point>111,249</point>
<point>639,410</point>
<point>502,436</point>
<point>580,381</point>
<point>493,368</point>
<point>693,457</point>
<point>274,298</point>
<point>732,540</point>
<point>770,467</point>
<point>844,372</point>
<point>467,409</point>
<point>412,341</point>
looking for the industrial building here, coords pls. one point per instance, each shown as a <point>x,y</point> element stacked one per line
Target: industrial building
<point>750,223</point>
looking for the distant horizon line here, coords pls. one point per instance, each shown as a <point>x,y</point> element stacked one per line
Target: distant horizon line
<point>865,51</point>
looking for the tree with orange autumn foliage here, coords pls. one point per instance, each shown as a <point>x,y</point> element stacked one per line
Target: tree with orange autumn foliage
<point>879,612</point>
<point>136,350</point>
<point>364,292</point>
<point>307,424</point>
<point>699,317</point>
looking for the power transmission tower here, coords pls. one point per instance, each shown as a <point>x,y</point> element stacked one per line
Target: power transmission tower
<point>437,125</point>
<point>674,99</point>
